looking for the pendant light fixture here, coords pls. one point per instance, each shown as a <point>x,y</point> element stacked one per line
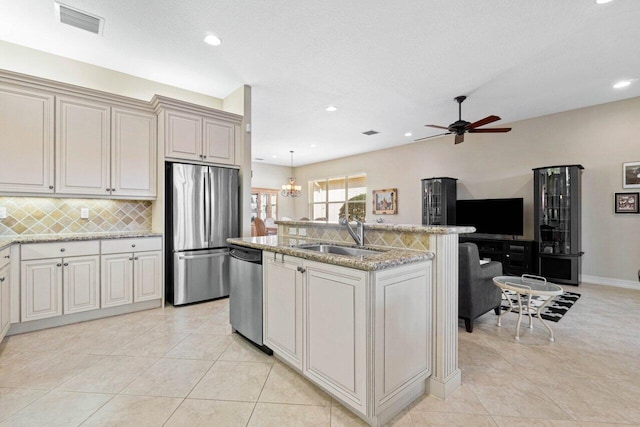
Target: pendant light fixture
<point>291,189</point>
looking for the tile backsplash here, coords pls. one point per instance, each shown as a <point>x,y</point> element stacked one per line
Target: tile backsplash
<point>35,215</point>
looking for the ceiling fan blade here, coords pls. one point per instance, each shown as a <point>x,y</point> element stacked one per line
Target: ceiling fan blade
<point>432,136</point>
<point>491,130</point>
<point>482,122</point>
<point>437,127</point>
<point>459,138</point>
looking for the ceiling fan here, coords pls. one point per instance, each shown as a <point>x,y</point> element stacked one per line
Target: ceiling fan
<point>460,127</point>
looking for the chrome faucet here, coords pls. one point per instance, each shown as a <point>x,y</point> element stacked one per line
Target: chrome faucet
<point>359,236</point>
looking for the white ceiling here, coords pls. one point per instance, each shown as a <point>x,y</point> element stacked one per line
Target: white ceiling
<point>388,66</point>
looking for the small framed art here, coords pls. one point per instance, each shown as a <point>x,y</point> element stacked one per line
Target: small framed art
<point>631,175</point>
<point>626,203</point>
<point>385,202</point>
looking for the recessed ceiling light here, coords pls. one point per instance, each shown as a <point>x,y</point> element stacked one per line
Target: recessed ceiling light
<point>408,134</point>
<point>621,84</point>
<point>313,145</point>
<point>603,1</point>
<point>212,40</point>
<point>331,108</point>
<point>274,156</point>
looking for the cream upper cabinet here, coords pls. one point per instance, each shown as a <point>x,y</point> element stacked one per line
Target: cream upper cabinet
<point>282,306</point>
<point>183,135</point>
<point>26,140</point>
<point>133,153</point>
<point>193,133</point>
<point>82,146</point>
<point>218,141</point>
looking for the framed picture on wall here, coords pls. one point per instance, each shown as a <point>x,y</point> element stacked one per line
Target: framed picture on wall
<point>385,202</point>
<point>626,203</point>
<point>631,175</point>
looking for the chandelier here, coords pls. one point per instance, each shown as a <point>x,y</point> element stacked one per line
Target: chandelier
<point>291,189</point>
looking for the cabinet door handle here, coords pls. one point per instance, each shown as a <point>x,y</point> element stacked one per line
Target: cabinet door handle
<point>107,189</point>
<point>136,258</point>
<point>62,249</point>
<point>51,187</point>
<point>204,157</point>
<point>7,256</point>
<point>66,264</point>
<point>133,246</point>
<point>113,190</point>
<point>59,265</point>
<point>302,269</point>
<point>131,259</point>
<point>1,279</point>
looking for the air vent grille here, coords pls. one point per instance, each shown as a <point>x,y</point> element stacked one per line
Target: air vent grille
<point>370,132</point>
<point>79,19</point>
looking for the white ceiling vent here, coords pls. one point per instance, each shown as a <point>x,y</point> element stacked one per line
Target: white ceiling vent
<point>79,19</point>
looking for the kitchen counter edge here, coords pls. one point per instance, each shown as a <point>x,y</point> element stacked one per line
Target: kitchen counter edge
<point>6,241</point>
<point>388,258</point>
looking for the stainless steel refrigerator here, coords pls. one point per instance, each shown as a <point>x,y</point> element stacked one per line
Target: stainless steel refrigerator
<point>201,213</point>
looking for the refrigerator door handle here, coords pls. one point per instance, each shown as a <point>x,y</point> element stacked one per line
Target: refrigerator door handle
<point>207,207</point>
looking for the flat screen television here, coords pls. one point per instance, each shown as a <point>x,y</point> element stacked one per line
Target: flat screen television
<point>492,216</point>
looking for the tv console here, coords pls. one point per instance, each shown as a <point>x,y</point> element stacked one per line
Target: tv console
<point>516,255</point>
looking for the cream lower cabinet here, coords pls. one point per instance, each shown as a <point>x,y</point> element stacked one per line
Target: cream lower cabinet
<point>335,319</point>
<point>131,270</point>
<point>366,335</point>
<point>282,306</point>
<point>81,284</point>
<point>117,280</point>
<point>59,278</point>
<point>41,289</point>
<point>5,300</point>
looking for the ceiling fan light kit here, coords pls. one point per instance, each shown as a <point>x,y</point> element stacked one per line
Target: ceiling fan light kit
<point>460,127</point>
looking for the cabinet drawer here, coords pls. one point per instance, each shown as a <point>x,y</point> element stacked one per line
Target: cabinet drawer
<point>59,249</point>
<point>116,246</point>
<point>4,256</point>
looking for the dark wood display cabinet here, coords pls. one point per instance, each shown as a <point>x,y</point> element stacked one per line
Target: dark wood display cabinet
<point>439,201</point>
<point>557,222</point>
<point>517,256</point>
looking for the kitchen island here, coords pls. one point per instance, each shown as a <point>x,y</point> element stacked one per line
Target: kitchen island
<point>375,331</point>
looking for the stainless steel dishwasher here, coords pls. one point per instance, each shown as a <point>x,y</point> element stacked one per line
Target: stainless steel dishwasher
<point>245,294</point>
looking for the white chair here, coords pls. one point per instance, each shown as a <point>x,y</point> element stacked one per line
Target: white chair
<point>270,222</point>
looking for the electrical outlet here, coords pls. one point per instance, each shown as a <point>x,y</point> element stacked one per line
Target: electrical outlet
<point>302,232</point>
<point>3,213</point>
<point>84,213</point>
<point>293,231</point>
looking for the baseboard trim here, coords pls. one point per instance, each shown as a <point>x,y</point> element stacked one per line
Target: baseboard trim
<point>607,281</point>
<point>67,319</point>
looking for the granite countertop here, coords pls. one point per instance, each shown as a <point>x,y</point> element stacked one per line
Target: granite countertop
<point>411,228</point>
<point>42,238</point>
<point>387,258</point>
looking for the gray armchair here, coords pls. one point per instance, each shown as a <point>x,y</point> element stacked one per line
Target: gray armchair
<point>476,292</point>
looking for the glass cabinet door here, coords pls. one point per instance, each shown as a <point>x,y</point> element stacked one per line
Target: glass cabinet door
<point>555,210</point>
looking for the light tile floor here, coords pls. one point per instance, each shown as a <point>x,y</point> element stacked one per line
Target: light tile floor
<point>184,367</point>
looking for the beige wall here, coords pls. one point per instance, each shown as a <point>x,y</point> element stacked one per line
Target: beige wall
<point>273,176</point>
<point>33,62</point>
<point>600,138</point>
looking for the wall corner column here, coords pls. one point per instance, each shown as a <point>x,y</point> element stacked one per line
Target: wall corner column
<point>445,375</point>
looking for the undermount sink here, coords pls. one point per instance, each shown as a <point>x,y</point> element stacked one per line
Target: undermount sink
<point>338,250</point>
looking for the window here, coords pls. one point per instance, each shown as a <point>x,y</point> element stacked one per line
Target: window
<point>264,203</point>
<point>331,198</point>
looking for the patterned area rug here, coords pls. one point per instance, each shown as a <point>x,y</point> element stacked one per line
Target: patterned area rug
<point>553,312</point>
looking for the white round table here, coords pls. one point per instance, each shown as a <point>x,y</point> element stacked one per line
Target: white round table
<point>527,286</point>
